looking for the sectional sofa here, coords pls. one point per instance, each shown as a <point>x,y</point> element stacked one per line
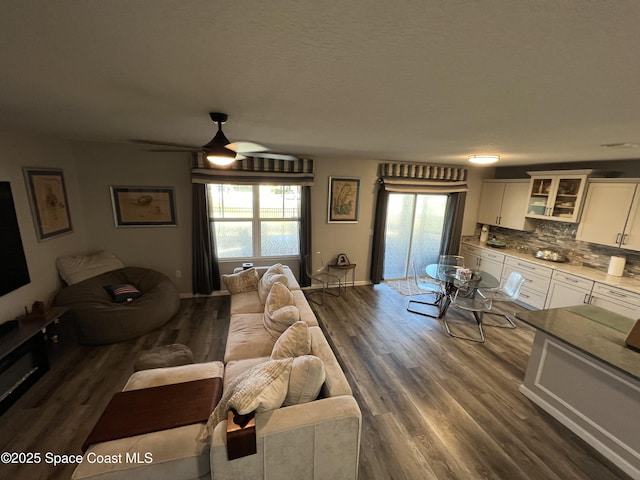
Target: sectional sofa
<point>307,422</point>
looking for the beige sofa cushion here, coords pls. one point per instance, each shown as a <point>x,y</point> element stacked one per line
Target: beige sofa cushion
<point>248,338</point>
<point>306,314</point>
<point>295,341</point>
<point>176,453</point>
<point>260,388</point>
<point>279,312</point>
<point>279,296</point>
<point>306,380</point>
<point>274,274</point>
<point>276,323</point>
<point>243,281</point>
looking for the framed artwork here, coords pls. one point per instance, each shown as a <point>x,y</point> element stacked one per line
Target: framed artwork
<point>344,196</point>
<point>144,206</point>
<point>49,204</point>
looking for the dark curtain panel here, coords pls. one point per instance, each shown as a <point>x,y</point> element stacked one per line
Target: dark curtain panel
<point>305,234</point>
<point>378,243</point>
<point>206,274</point>
<point>452,230</point>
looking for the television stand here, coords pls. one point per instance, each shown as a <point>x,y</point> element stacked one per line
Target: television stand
<point>23,354</point>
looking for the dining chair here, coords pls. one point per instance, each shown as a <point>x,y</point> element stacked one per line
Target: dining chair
<point>317,270</point>
<point>508,293</point>
<point>426,285</point>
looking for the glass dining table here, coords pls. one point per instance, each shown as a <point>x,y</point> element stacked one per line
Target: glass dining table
<point>464,293</point>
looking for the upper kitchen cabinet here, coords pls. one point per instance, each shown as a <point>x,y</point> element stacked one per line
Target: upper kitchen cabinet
<point>503,203</point>
<point>611,214</point>
<point>557,195</point>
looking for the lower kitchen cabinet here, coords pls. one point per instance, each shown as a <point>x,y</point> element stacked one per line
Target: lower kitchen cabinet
<point>483,259</point>
<point>537,279</point>
<point>566,290</point>
<point>616,300</point>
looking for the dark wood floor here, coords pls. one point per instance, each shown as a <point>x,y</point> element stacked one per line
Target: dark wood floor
<point>433,406</point>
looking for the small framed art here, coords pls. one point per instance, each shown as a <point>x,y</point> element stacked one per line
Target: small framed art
<point>344,196</point>
<point>342,260</point>
<point>144,206</point>
<point>49,204</point>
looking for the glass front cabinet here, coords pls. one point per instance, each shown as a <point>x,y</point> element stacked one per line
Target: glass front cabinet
<point>557,195</point>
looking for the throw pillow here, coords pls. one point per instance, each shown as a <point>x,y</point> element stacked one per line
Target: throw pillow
<point>306,380</point>
<point>261,388</point>
<point>74,269</point>
<point>279,296</point>
<point>123,293</point>
<point>280,320</point>
<point>244,281</point>
<point>294,342</point>
<point>274,273</point>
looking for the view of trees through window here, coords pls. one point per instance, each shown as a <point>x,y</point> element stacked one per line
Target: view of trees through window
<point>252,221</point>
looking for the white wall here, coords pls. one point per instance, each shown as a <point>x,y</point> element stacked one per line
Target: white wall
<point>22,149</point>
<point>165,249</point>
<point>91,168</point>
<point>355,239</point>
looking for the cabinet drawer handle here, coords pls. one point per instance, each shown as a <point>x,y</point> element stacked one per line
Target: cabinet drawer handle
<point>618,238</point>
<point>587,298</point>
<point>572,280</point>
<point>624,238</point>
<point>617,294</point>
<point>525,295</point>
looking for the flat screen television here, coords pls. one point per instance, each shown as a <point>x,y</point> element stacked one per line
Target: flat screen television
<point>13,264</point>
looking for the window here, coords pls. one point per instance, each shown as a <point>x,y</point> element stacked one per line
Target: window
<point>253,221</point>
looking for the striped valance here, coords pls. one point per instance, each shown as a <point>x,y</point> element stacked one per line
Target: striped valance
<point>253,170</point>
<point>422,178</point>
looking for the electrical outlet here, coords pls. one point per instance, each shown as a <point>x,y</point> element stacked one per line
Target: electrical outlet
<point>178,274</point>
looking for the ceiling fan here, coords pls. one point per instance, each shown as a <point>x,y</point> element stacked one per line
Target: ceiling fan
<point>219,150</point>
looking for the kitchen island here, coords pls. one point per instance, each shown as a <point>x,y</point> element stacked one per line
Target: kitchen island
<point>581,373</point>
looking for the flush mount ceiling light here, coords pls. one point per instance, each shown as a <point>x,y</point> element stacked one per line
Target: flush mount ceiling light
<point>484,159</point>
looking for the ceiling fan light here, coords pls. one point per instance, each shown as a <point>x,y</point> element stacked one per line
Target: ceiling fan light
<point>221,161</point>
<point>484,159</point>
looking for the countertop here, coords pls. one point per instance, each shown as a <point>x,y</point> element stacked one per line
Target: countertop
<point>595,331</point>
<point>628,283</point>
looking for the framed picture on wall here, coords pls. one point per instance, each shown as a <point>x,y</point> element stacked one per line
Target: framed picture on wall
<point>49,204</point>
<point>144,206</point>
<point>344,196</point>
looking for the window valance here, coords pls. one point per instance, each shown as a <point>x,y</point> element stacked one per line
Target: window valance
<point>422,178</point>
<point>253,170</point>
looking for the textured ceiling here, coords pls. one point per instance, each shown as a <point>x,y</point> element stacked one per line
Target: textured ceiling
<point>423,80</point>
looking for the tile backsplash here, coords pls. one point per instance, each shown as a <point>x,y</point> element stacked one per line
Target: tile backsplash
<point>561,236</point>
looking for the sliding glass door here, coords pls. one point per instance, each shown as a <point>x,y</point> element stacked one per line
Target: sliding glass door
<point>413,232</point>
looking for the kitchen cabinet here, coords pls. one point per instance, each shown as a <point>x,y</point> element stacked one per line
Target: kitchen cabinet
<point>566,290</point>
<point>503,203</point>
<point>611,214</point>
<point>482,259</point>
<point>537,279</point>
<point>557,195</point>
<point>622,302</point>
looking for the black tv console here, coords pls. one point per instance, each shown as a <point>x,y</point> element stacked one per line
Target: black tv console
<point>23,354</point>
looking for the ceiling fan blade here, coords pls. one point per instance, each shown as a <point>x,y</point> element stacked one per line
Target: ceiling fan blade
<point>275,156</point>
<point>164,144</point>
<point>184,150</point>
<point>242,147</point>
